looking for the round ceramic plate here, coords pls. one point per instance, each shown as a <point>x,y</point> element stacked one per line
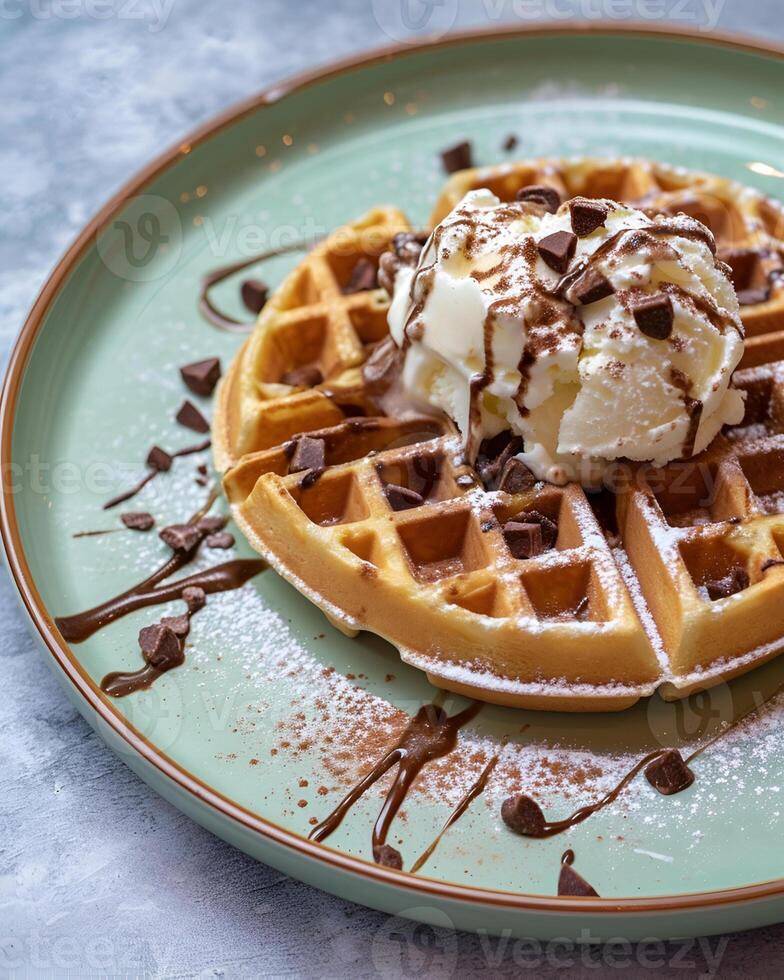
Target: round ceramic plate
<point>274,715</point>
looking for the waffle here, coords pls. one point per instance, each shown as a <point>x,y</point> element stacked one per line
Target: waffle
<point>674,582</point>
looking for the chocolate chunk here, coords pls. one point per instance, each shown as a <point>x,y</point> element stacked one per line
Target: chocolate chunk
<point>201,376</point>
<point>194,598</point>
<point>309,454</point>
<point>668,773</point>
<point>401,498</point>
<point>212,523</point>
<point>754,296</point>
<point>388,856</point>
<point>160,646</point>
<point>735,581</point>
<point>458,157</point>
<point>307,376</point>
<point>654,315</point>
<point>179,625</point>
<point>541,194</point>
<point>254,294</point>
<point>408,245</point>
<point>587,215</point>
<point>590,288</point>
<point>523,815</point>
<point>510,143</point>
<point>516,477</point>
<point>189,416</point>
<point>181,537</point>
<point>363,276</point>
<point>138,520</point>
<point>573,884</point>
<point>557,250</point>
<point>222,539</point>
<point>158,459</point>
<point>494,454</point>
<point>523,540</point>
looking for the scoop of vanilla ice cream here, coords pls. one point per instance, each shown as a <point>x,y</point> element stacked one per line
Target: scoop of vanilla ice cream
<point>505,328</point>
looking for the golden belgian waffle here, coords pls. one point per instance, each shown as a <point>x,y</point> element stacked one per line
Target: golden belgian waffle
<point>624,603</point>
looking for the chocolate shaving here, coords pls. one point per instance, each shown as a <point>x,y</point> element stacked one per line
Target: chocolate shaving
<point>458,157</point>
<point>557,250</point>
<point>254,294</point>
<point>138,520</point>
<point>587,215</point>
<point>201,376</point>
<point>363,277</point>
<point>309,454</point>
<point>654,316</point>
<point>510,143</point>
<point>212,523</point>
<point>179,625</point>
<point>159,460</point>
<point>222,539</point>
<point>189,416</point>
<point>307,376</point>
<point>401,498</point>
<point>541,194</point>
<point>668,773</point>
<point>523,816</point>
<point>733,582</point>
<point>194,598</point>
<point>388,856</point>
<point>181,537</point>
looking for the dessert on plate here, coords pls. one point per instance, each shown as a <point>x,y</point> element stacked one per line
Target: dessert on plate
<point>523,445</point>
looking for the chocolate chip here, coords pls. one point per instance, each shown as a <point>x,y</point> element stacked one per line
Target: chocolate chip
<point>590,288</point>
<point>573,884</point>
<point>735,581</point>
<point>654,316</point>
<point>510,143</point>
<point>181,537</point>
<point>212,523</point>
<point>523,540</point>
<point>194,598</point>
<point>363,277</point>
<point>201,376</point>
<point>516,477</point>
<point>523,815</point>
<point>458,157</point>
<point>388,856</point>
<point>587,215</point>
<point>401,498</point>
<point>307,376</point>
<point>558,249</point>
<point>138,520</point>
<point>179,625</point>
<point>160,646</point>
<point>668,773</point>
<point>754,296</point>
<point>189,416</point>
<point>220,540</point>
<point>541,194</point>
<point>158,459</point>
<point>309,454</point>
<point>254,294</point>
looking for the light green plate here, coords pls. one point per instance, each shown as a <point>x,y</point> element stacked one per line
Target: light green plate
<point>256,735</point>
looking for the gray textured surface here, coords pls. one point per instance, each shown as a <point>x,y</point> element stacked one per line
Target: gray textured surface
<point>97,874</point>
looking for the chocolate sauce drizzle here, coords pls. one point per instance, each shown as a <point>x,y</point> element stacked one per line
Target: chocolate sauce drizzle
<point>459,810</point>
<point>219,578</point>
<point>126,495</point>
<point>431,734</point>
<point>208,309</point>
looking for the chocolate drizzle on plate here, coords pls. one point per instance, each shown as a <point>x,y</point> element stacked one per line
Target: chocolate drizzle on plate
<point>159,461</point>
<point>207,308</point>
<point>431,734</point>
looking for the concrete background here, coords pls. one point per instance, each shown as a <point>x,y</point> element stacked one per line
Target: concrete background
<point>97,874</point>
